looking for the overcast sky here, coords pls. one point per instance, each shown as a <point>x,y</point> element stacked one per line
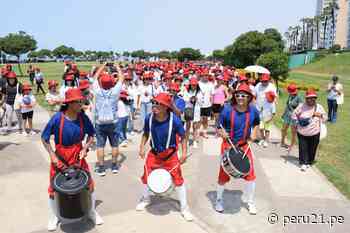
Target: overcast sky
<point>152,25</point>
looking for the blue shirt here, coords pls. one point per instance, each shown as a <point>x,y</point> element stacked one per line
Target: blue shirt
<point>71,129</point>
<point>160,132</point>
<point>240,119</point>
<point>179,103</point>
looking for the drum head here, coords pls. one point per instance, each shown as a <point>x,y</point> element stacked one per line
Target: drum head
<point>159,181</point>
<point>240,163</point>
<point>70,181</point>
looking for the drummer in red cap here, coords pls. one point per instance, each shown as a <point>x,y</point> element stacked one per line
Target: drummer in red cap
<point>161,127</point>
<point>238,123</point>
<point>70,127</point>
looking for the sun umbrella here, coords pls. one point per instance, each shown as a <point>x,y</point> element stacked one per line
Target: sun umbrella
<point>257,69</point>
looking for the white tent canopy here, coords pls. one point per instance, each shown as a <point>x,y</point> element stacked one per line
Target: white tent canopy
<point>257,69</point>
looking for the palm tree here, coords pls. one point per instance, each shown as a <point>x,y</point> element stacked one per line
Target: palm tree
<point>317,20</point>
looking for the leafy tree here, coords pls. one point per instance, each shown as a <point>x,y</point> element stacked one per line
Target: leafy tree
<point>44,52</point>
<point>189,54</point>
<point>63,51</point>
<point>140,54</point>
<point>218,54</point>
<point>272,33</point>
<point>248,47</point>
<point>277,63</point>
<point>126,54</point>
<point>78,53</point>
<point>17,44</point>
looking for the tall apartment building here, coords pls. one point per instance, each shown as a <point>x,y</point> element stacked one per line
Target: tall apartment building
<point>341,33</point>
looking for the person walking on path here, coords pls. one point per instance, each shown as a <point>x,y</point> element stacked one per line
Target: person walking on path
<point>11,91</point>
<point>31,73</point>
<point>106,93</point>
<point>238,122</point>
<point>39,80</point>
<point>293,102</point>
<point>335,93</point>
<point>53,98</point>
<point>309,116</point>
<point>27,103</point>
<point>69,127</point>
<point>161,127</point>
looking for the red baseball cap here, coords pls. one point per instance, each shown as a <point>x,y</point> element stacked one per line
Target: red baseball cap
<point>84,84</point>
<point>292,89</point>
<point>106,81</point>
<point>164,99</point>
<point>193,81</point>
<point>11,75</point>
<point>311,93</point>
<point>69,77</point>
<point>174,87</point>
<point>244,88</point>
<point>73,94</point>
<point>265,77</point>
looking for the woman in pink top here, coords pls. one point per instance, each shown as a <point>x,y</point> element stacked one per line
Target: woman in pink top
<point>309,117</point>
<point>219,97</point>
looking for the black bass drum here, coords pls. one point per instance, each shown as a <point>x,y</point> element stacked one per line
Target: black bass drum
<point>72,195</point>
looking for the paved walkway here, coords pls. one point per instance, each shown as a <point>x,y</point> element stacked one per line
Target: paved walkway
<point>282,190</point>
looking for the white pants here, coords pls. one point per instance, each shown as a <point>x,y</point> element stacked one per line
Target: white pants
<point>9,115</point>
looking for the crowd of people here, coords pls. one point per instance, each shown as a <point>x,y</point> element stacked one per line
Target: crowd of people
<point>175,103</point>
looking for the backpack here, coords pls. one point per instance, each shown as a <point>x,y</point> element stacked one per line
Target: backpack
<point>106,113</point>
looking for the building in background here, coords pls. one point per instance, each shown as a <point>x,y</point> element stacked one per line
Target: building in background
<point>340,33</point>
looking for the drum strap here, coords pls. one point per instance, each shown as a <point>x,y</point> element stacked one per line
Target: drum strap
<point>169,130</point>
<point>246,128</point>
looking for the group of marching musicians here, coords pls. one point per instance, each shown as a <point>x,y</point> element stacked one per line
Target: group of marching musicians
<point>173,99</point>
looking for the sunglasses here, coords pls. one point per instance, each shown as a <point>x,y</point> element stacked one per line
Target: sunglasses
<point>241,95</point>
<point>155,103</point>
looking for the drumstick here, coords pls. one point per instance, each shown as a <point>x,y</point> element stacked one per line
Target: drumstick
<point>229,140</point>
<point>179,163</point>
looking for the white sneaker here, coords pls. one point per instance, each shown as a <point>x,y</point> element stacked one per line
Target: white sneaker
<point>186,214</point>
<point>53,222</point>
<point>308,166</point>
<point>244,199</point>
<point>252,209</point>
<point>124,144</point>
<point>195,145</point>
<point>95,217</point>
<point>25,133</point>
<point>265,144</point>
<point>144,202</point>
<point>261,142</point>
<point>32,133</point>
<point>219,206</point>
<point>303,167</point>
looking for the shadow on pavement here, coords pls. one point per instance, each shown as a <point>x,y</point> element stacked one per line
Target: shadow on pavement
<point>291,159</point>
<point>162,205</point>
<point>232,201</point>
<point>3,145</point>
<point>77,227</point>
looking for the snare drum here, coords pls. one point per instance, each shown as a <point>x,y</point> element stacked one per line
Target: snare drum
<point>160,182</point>
<point>235,163</point>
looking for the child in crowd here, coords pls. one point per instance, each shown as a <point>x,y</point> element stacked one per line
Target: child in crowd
<point>266,115</point>
<point>27,102</point>
<point>53,98</point>
<point>123,116</point>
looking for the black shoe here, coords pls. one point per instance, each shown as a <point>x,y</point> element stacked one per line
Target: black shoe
<point>101,171</point>
<point>115,168</point>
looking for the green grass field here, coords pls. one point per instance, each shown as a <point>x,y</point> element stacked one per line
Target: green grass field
<point>334,151</point>
<point>51,71</point>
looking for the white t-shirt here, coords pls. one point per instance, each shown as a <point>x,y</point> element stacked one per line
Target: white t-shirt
<point>197,109</point>
<point>260,91</point>
<point>123,110</point>
<point>332,94</point>
<point>25,109</point>
<point>53,97</point>
<point>147,93</point>
<point>268,110</point>
<point>134,92</point>
<point>207,91</point>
